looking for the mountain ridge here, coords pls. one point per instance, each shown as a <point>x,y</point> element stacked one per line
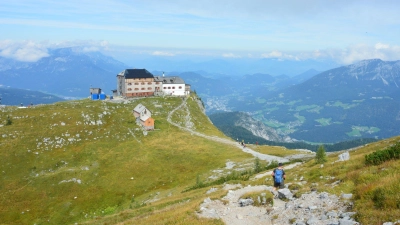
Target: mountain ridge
<point>68,72</point>
<point>354,101</point>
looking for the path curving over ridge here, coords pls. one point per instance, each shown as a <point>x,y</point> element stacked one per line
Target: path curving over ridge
<point>261,156</point>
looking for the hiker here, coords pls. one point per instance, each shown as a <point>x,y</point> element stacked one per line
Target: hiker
<point>279,176</point>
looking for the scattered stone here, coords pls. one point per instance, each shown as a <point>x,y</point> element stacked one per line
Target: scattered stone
<point>331,214</point>
<point>347,196</point>
<point>344,156</point>
<point>347,222</point>
<point>245,202</point>
<point>312,221</point>
<point>313,207</point>
<point>285,193</point>
<point>211,190</point>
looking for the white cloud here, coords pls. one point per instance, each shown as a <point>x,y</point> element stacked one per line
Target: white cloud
<point>230,55</point>
<point>27,51</point>
<point>160,53</point>
<point>360,52</point>
<point>30,51</point>
<point>381,46</point>
<point>347,55</point>
<point>279,55</point>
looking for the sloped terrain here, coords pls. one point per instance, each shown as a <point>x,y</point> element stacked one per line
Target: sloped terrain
<point>88,162</point>
<point>76,160</point>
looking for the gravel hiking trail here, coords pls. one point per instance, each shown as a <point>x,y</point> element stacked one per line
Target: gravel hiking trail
<point>261,156</point>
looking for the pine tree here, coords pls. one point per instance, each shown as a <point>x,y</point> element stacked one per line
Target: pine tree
<point>320,157</point>
<point>9,121</point>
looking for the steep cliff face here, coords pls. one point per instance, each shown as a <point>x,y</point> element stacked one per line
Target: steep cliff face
<point>259,129</point>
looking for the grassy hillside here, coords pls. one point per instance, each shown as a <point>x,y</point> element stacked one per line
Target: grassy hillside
<point>375,189</point>
<point>88,162</point>
<point>72,161</point>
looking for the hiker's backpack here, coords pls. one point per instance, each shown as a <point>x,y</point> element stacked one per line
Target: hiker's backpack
<point>278,176</point>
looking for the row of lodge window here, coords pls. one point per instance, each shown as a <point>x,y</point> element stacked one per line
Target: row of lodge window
<point>143,83</point>
<point>137,89</point>
<point>180,87</point>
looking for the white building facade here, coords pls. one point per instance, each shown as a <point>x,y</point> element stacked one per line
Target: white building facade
<point>173,85</point>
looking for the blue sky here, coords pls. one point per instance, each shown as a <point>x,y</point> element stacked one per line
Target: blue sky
<point>343,30</point>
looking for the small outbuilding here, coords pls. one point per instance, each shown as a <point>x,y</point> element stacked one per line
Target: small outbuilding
<point>143,117</point>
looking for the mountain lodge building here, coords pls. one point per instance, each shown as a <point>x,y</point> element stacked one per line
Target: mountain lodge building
<point>142,83</point>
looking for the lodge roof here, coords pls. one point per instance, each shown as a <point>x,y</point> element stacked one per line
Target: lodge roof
<point>169,80</point>
<point>136,73</point>
<point>139,108</point>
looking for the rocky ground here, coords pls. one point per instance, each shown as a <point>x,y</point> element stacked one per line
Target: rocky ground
<point>310,209</point>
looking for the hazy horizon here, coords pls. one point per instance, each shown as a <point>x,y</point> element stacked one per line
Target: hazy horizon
<point>341,31</point>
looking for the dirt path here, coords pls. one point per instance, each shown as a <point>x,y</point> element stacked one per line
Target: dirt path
<point>261,156</point>
<point>311,208</point>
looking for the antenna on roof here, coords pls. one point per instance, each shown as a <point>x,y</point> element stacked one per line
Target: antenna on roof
<point>163,73</point>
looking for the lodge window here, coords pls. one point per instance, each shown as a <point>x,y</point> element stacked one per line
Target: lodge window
<point>149,88</point>
<point>180,87</point>
<point>148,82</point>
<point>129,83</point>
<point>169,87</point>
<point>143,88</point>
<point>129,89</point>
<point>136,83</point>
<point>142,83</point>
<point>136,89</point>
<point>165,87</point>
<point>173,87</point>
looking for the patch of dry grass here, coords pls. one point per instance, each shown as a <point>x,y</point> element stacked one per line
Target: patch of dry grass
<point>79,160</point>
<point>353,176</point>
<point>275,150</point>
<point>259,196</point>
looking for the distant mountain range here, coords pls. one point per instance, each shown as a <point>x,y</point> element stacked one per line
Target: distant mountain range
<point>356,101</point>
<point>219,93</point>
<point>21,97</point>
<point>232,66</point>
<point>66,72</point>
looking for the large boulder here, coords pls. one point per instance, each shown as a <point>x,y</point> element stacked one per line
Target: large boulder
<point>285,193</point>
<point>344,156</point>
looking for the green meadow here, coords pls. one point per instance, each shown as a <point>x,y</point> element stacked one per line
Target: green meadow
<point>88,162</point>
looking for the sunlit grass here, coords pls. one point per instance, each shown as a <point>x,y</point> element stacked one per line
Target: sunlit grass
<point>102,161</point>
<point>353,176</point>
<point>111,172</point>
<point>275,150</point>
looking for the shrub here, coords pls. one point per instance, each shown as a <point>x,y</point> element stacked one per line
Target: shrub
<point>257,165</point>
<point>380,156</point>
<point>379,198</point>
<point>9,121</point>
